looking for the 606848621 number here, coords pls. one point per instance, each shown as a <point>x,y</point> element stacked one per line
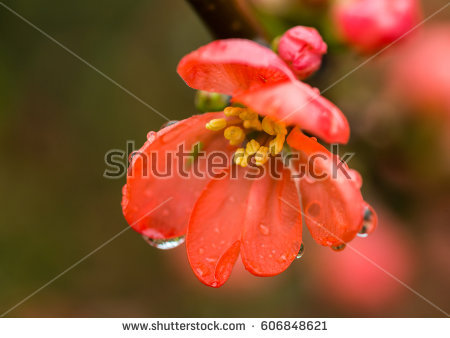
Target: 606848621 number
<point>287,325</point>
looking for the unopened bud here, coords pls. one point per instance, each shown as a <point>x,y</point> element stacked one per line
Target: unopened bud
<point>302,49</point>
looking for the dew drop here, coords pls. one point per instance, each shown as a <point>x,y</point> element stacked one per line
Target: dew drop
<point>370,221</point>
<point>168,123</point>
<point>200,272</point>
<point>313,209</point>
<point>133,154</point>
<point>300,252</point>
<point>165,244</point>
<point>339,247</point>
<point>264,229</point>
<point>201,251</point>
<point>151,135</point>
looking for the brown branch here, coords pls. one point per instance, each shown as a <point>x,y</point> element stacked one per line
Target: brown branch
<point>228,19</point>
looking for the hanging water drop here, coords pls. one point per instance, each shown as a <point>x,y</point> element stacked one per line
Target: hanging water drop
<point>168,123</point>
<point>165,244</point>
<point>339,247</point>
<point>370,221</point>
<point>300,252</point>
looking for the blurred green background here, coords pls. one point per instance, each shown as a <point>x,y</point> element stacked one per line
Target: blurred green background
<point>59,117</point>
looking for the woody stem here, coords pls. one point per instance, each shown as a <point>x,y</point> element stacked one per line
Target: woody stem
<point>229,19</point>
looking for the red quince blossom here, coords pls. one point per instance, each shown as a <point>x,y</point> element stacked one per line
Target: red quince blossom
<point>302,49</point>
<point>258,219</point>
<point>369,25</point>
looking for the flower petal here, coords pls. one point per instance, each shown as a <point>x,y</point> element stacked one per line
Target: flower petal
<point>231,66</point>
<point>148,185</point>
<point>214,232</point>
<point>300,104</point>
<point>332,202</point>
<point>272,233</point>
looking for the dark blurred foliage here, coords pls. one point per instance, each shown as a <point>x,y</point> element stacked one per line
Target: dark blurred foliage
<point>58,118</point>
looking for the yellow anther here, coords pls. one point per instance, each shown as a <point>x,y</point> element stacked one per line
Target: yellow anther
<point>252,147</point>
<point>276,145</point>
<point>261,156</point>
<point>233,111</point>
<point>254,124</point>
<point>216,124</point>
<point>280,128</point>
<point>248,115</point>
<point>272,127</point>
<point>267,125</point>
<point>235,135</point>
<point>241,157</point>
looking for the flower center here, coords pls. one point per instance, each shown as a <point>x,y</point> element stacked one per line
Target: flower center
<point>254,135</point>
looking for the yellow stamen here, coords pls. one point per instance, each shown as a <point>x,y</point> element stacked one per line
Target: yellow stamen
<point>276,145</point>
<point>272,127</point>
<point>280,128</point>
<point>241,157</point>
<point>233,111</point>
<point>255,124</point>
<point>252,147</point>
<point>235,135</point>
<point>216,124</point>
<point>261,156</point>
<point>267,125</point>
<point>248,115</point>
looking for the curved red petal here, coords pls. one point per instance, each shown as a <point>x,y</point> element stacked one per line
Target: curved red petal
<point>272,233</point>
<point>332,202</point>
<point>156,204</point>
<point>214,232</point>
<point>300,104</point>
<point>232,65</point>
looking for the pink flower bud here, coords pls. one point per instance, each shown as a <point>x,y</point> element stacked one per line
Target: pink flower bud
<point>369,25</point>
<point>302,49</point>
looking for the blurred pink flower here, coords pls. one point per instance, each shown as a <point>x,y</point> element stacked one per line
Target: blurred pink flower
<point>302,49</point>
<point>420,74</point>
<point>369,25</point>
<point>352,282</point>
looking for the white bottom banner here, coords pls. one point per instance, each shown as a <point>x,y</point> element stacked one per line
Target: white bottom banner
<point>220,327</point>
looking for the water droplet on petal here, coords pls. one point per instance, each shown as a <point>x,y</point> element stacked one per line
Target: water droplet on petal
<point>339,247</point>
<point>370,221</point>
<point>200,272</point>
<point>313,209</point>
<point>201,251</point>
<point>133,154</point>
<point>165,244</point>
<point>168,123</point>
<point>151,135</point>
<point>300,252</point>
<point>264,229</point>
